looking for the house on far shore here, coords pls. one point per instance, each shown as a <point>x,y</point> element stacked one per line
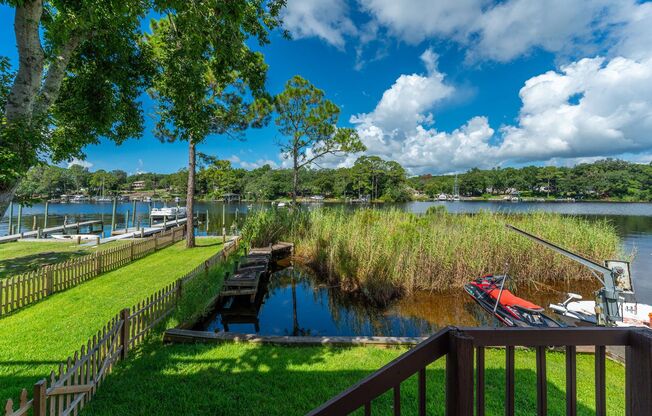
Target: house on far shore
<point>229,197</point>
<point>138,185</point>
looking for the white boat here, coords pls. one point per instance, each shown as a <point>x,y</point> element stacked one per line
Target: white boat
<point>282,205</point>
<point>79,198</point>
<point>168,213</point>
<point>442,197</point>
<point>103,199</point>
<point>147,199</point>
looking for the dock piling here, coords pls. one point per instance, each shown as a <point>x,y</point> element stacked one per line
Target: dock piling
<point>133,215</point>
<point>34,223</point>
<point>47,208</point>
<point>11,218</point>
<point>115,201</point>
<point>127,221</point>
<point>20,218</point>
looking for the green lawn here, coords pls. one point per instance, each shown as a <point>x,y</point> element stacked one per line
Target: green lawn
<point>36,339</point>
<point>248,379</point>
<point>24,256</point>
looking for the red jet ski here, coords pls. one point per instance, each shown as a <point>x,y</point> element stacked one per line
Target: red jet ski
<point>490,293</point>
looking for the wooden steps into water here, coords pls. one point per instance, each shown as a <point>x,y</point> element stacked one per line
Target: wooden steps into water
<point>250,270</point>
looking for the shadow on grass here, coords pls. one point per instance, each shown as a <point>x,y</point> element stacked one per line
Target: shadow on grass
<point>18,265</point>
<point>270,380</point>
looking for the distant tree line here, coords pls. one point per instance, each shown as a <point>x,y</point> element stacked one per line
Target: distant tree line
<point>604,179</point>
<point>370,177</point>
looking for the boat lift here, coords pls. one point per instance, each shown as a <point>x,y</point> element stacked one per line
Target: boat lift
<point>616,281</point>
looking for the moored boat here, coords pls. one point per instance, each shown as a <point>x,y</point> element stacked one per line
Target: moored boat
<point>168,213</point>
<point>490,293</point>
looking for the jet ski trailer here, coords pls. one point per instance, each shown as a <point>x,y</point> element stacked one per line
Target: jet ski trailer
<point>615,303</point>
<point>490,293</point>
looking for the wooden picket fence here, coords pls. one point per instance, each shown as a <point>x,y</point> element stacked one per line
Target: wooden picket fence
<point>75,382</point>
<point>22,290</point>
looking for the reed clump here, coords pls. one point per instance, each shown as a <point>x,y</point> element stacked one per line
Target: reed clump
<point>385,253</point>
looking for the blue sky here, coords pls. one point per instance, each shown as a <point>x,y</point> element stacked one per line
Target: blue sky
<point>449,85</point>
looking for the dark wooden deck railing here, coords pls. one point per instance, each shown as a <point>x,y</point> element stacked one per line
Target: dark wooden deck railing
<point>466,393</point>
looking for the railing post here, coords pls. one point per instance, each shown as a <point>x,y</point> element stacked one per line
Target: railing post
<point>638,360</point>
<point>155,242</point>
<point>131,251</point>
<point>459,375</point>
<point>206,267</point>
<point>124,333</point>
<point>40,398</point>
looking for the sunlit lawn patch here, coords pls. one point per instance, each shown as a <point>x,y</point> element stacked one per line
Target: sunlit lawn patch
<point>36,339</point>
<point>245,379</point>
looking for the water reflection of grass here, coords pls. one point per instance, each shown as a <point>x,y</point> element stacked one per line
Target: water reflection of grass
<point>245,379</point>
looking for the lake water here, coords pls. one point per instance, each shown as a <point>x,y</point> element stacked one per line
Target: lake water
<point>296,303</point>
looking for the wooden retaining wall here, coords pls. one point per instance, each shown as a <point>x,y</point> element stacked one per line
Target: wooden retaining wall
<point>75,382</point>
<point>22,290</point>
<point>177,335</point>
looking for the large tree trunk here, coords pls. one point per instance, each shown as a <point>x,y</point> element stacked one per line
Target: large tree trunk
<point>27,83</point>
<point>190,195</point>
<point>30,96</point>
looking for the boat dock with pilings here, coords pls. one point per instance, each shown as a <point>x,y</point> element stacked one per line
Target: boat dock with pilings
<point>41,233</point>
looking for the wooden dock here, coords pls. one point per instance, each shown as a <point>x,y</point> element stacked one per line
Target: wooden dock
<point>133,232</point>
<point>250,270</point>
<point>51,230</point>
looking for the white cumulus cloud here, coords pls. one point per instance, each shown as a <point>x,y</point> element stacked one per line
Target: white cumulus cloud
<point>83,163</point>
<point>590,108</point>
<point>611,112</point>
<point>405,105</point>
<point>234,159</point>
<point>327,20</point>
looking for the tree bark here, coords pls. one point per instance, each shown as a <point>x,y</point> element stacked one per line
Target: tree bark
<point>21,99</point>
<point>190,195</point>
<point>55,75</point>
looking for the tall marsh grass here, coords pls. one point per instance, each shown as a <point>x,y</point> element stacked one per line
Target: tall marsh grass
<point>384,253</point>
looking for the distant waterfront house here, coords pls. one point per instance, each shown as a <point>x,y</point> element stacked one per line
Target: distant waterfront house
<point>230,197</point>
<point>138,185</point>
